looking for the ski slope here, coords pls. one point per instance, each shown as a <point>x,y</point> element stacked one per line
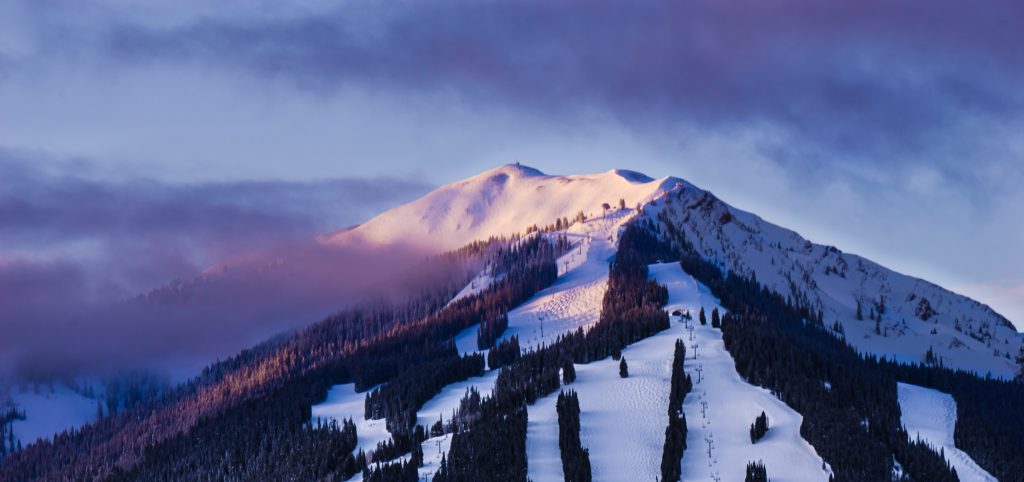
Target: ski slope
<point>445,403</point>
<point>623,420</point>
<point>721,406</point>
<point>931,416</point>
<point>344,402</point>
<point>574,299</point>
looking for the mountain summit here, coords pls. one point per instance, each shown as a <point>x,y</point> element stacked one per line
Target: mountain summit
<point>500,202</point>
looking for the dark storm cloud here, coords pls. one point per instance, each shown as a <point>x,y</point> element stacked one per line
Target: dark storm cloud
<point>863,76</point>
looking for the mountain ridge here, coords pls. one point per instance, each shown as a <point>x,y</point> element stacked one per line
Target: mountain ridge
<point>902,317</point>
<point>912,316</point>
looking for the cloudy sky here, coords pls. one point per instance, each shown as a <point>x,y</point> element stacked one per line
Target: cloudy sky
<point>140,142</point>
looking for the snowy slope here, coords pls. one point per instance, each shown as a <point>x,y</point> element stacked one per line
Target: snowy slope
<point>931,415</point>
<point>499,202</point>
<point>623,420</point>
<point>918,315</point>
<point>50,411</point>
<point>344,402</point>
<point>574,300</point>
<point>721,406</point>
<point>508,199</point>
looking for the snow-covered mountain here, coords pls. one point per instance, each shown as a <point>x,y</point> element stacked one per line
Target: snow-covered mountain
<point>623,419</point>
<point>500,202</point>
<point>913,315</point>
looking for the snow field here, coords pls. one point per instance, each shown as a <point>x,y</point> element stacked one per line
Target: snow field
<point>465,341</point>
<point>574,300</point>
<point>479,283</point>
<point>49,412</point>
<point>344,402</point>
<point>622,420</point>
<point>931,415</point>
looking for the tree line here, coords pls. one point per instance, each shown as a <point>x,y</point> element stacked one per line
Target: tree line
<point>675,434</point>
<point>575,458</point>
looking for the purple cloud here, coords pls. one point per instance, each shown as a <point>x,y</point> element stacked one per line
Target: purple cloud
<point>75,252</point>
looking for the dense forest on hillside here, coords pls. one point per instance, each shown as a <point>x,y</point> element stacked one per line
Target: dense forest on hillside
<point>283,378</point>
<point>414,349</point>
<point>489,441</point>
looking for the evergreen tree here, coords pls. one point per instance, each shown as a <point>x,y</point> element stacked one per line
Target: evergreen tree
<point>756,472</point>
<point>623,368</point>
<point>759,428</point>
<point>568,372</point>
<point>703,319</point>
<point>504,353</point>
<point>716,322</point>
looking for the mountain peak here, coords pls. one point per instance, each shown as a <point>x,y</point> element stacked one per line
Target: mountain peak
<point>514,169</point>
<point>501,201</point>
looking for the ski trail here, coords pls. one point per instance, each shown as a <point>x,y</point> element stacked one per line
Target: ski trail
<point>721,406</point>
<point>574,300</point>
<point>931,415</point>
